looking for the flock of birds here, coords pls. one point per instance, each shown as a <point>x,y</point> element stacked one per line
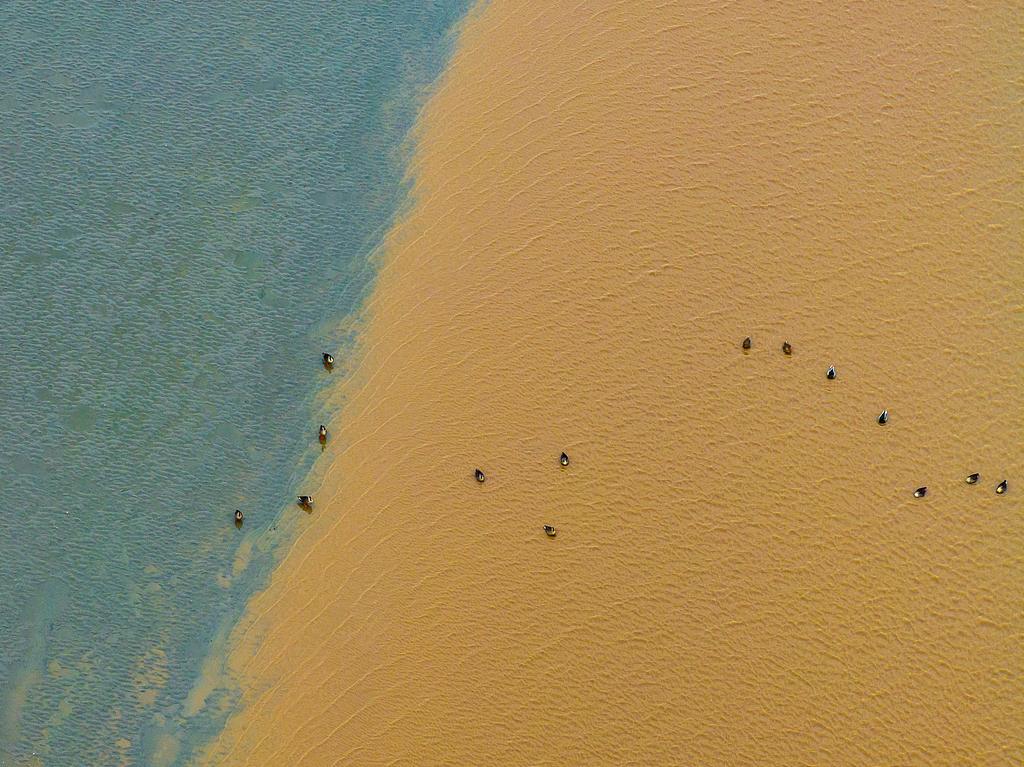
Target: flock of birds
<point>306,501</point>
<point>562,459</point>
<point>883,418</point>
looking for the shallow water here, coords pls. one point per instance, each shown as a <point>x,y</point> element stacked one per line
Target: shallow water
<point>189,195</point>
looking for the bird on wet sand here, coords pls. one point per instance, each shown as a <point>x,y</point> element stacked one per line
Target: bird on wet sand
<point>883,417</point>
<point>920,492</point>
<point>328,360</point>
<point>831,374</point>
<point>550,531</point>
<point>479,475</point>
<point>323,433</point>
<point>746,344</point>
<point>1001,487</point>
<point>305,501</point>
<point>972,479</point>
<point>564,459</point>
<point>786,348</point>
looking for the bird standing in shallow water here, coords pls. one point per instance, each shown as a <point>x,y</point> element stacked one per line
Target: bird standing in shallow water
<point>883,417</point>
<point>920,492</point>
<point>323,433</point>
<point>238,517</point>
<point>328,360</point>
<point>550,531</point>
<point>564,459</point>
<point>1001,487</point>
<point>972,479</point>
<point>305,501</point>
<point>831,374</point>
<point>479,476</point>
<point>786,348</point>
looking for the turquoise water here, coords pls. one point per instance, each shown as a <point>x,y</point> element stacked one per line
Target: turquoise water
<point>189,194</point>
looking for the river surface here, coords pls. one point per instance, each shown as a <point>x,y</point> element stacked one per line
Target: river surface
<point>190,195</point>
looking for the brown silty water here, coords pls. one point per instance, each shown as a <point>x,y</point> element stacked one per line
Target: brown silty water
<point>609,198</point>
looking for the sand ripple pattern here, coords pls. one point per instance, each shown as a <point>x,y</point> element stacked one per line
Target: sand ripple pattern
<point>611,196</point>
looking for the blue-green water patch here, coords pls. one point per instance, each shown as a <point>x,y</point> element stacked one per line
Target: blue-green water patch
<point>189,193</point>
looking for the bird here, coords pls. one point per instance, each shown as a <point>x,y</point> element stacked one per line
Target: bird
<point>1001,487</point>
<point>972,479</point>
<point>238,516</point>
<point>305,500</point>
<point>883,417</point>
<point>831,374</point>
<point>328,359</point>
<point>479,476</point>
<point>564,459</point>
<point>920,492</point>
<point>323,432</point>
<point>550,531</point>
<point>746,343</point>
<point>786,348</point>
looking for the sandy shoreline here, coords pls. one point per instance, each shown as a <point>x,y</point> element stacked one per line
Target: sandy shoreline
<point>607,203</point>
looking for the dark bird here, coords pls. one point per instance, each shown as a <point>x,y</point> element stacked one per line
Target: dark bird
<point>238,516</point>
<point>328,359</point>
<point>786,348</point>
<point>479,476</point>
<point>306,501</point>
<point>831,374</point>
<point>972,479</point>
<point>550,531</point>
<point>920,492</point>
<point>883,417</point>
<point>746,344</point>
<point>1001,487</point>
<point>564,459</point>
<point>323,432</point>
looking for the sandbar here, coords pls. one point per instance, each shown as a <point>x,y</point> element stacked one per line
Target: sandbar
<point>606,199</point>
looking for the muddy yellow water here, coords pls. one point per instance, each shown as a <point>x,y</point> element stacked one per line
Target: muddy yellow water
<point>608,197</point>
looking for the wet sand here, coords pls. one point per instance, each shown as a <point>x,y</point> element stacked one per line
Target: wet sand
<point>608,197</point>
